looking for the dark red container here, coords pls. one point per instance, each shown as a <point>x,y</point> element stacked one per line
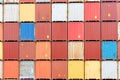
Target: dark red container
<point>11,31</point>
<point>109,11</point>
<point>59,50</point>
<point>43,12</point>
<point>75,31</point>
<point>59,0</point>
<point>59,31</point>
<point>94,11</point>
<point>109,31</point>
<point>27,50</point>
<point>92,50</point>
<point>92,31</point>
<point>59,69</point>
<point>27,0</point>
<point>11,50</point>
<point>43,31</point>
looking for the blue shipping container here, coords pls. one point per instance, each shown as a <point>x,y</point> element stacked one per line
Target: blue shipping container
<point>27,31</point>
<point>109,50</point>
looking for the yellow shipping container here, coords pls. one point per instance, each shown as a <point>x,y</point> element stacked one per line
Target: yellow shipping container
<point>1,50</point>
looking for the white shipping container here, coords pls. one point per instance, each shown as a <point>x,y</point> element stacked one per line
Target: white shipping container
<point>59,12</point>
<point>109,69</point>
<point>43,0</point>
<point>1,12</point>
<point>11,1</point>
<point>27,69</point>
<point>76,12</point>
<point>118,30</point>
<point>11,12</point>
<point>1,69</point>
<point>119,70</point>
<point>76,0</point>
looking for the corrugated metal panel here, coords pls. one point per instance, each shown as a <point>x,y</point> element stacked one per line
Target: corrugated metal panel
<point>11,50</point>
<point>11,69</point>
<point>27,69</point>
<point>1,69</point>
<point>59,31</point>
<point>109,30</point>
<point>27,50</point>
<point>109,0</point>
<point>92,50</point>
<point>94,11</point>
<point>76,12</point>
<point>118,30</point>
<point>59,12</point>
<point>1,50</point>
<point>59,69</point>
<point>43,0</point>
<point>59,50</point>
<point>43,69</point>
<point>118,11</point>
<point>76,50</point>
<point>27,0</point>
<point>92,69</point>
<point>109,50</point>
<point>11,1</point>
<point>118,69</point>
<point>43,12</point>
<point>75,69</point>
<point>11,31</point>
<point>1,31</point>
<point>11,12</point>
<point>92,31</point>
<point>1,13</point>
<point>75,0</point>
<point>27,31</point>
<point>27,12</point>
<point>109,70</point>
<point>75,31</point>
<point>59,0</point>
<point>92,0</point>
<point>43,50</point>
<point>43,31</point>
<point>118,47</point>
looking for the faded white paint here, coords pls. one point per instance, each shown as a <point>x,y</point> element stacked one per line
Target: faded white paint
<point>43,0</point>
<point>8,1</point>
<point>1,13</point>
<point>1,69</point>
<point>118,30</point>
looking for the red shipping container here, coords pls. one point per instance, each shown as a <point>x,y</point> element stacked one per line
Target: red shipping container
<point>92,50</point>
<point>75,31</point>
<point>11,50</point>
<point>27,50</point>
<point>92,31</point>
<point>59,50</point>
<point>94,11</point>
<point>11,69</point>
<point>59,0</point>
<point>108,11</point>
<point>27,0</point>
<point>59,31</point>
<point>43,31</point>
<point>109,31</point>
<point>1,31</point>
<point>11,31</point>
<point>59,69</point>
<point>43,12</point>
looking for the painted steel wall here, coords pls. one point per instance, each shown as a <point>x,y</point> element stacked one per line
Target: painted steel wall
<point>1,13</point>
<point>1,50</point>
<point>1,69</point>
<point>1,31</point>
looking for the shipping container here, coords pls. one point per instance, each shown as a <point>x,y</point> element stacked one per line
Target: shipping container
<point>11,69</point>
<point>1,12</point>
<point>109,30</point>
<point>27,50</point>
<point>1,50</point>
<point>118,11</point>
<point>24,1</point>
<point>118,47</point>
<point>43,0</point>
<point>43,12</point>
<point>10,79</point>
<point>11,12</point>
<point>59,0</point>
<point>109,49</point>
<point>43,69</point>
<point>109,11</point>
<point>43,50</point>
<point>27,31</point>
<point>59,31</point>
<point>118,69</point>
<point>92,31</point>
<point>75,31</point>
<point>76,0</point>
<point>75,69</point>
<point>59,12</point>
<point>92,50</point>
<point>27,12</point>
<point>76,50</point>
<point>59,50</point>
<point>92,70</point>
<point>92,0</point>
<point>1,31</point>
<point>118,30</point>
<point>43,31</point>
<point>1,70</point>
<point>11,1</point>
<point>27,79</point>
<point>11,31</point>
<point>109,0</point>
<point>11,50</point>
<point>94,11</point>
<point>27,69</point>
<point>59,70</point>
<point>109,70</point>
<point>76,12</point>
